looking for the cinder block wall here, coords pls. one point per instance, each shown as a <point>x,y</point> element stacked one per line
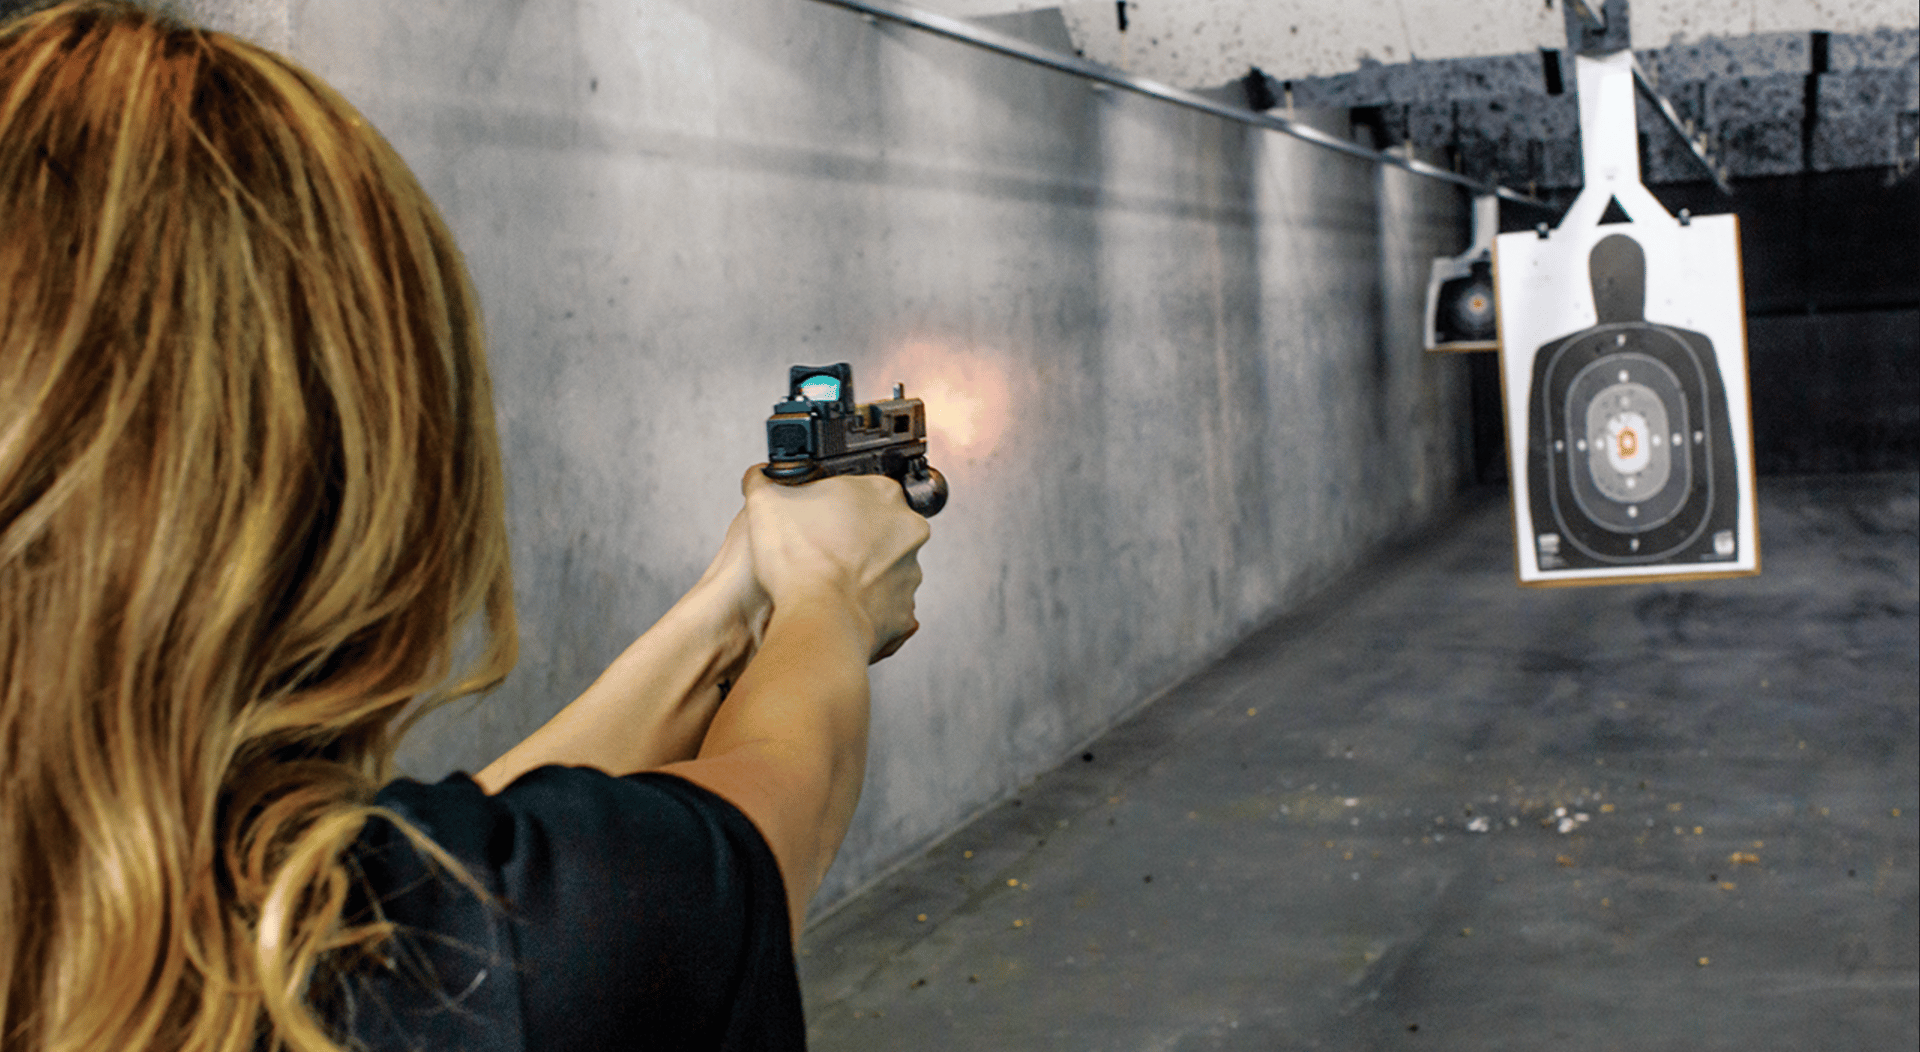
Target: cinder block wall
<point>1174,364</point>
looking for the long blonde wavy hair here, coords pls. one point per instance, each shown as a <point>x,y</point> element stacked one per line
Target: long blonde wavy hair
<point>250,501</point>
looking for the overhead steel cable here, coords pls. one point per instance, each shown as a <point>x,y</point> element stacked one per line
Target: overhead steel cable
<point>986,39</point>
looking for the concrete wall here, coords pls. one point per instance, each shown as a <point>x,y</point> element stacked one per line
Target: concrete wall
<point>1173,365</point>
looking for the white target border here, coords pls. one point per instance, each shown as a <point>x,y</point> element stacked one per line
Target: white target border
<point>1543,290</point>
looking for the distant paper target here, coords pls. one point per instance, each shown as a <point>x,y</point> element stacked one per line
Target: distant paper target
<point>1464,312</point>
<point>1461,313</point>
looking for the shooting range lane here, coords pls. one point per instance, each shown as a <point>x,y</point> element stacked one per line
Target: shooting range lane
<point>1352,825</point>
<point>1172,364</point>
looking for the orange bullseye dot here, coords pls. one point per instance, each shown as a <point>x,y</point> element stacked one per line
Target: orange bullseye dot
<point>1629,442</point>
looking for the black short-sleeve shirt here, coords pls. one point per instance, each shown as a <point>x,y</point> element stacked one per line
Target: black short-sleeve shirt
<point>641,912</point>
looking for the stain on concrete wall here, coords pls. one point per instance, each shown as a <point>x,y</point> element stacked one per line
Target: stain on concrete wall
<point>1173,364</point>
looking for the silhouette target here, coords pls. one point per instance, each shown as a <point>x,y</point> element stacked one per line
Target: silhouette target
<point>1465,311</point>
<point>1629,451</point>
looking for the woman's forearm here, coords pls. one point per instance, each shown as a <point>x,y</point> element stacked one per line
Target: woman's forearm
<point>789,747</point>
<point>652,706</point>
<point>812,584</point>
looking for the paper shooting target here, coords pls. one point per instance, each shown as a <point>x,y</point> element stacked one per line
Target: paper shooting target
<point>1630,449</point>
<point>1461,315</point>
<point>1623,373</point>
<point>1464,311</point>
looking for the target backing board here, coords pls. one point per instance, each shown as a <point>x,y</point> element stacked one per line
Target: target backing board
<point>1624,371</point>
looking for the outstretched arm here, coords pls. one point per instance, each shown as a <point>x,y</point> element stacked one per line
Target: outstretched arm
<point>652,706</point>
<point>813,584</point>
<point>840,558</point>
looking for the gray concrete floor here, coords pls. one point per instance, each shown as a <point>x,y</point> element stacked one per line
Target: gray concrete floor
<point>1284,852</point>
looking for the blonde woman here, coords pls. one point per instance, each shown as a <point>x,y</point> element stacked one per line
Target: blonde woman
<point>250,496</point>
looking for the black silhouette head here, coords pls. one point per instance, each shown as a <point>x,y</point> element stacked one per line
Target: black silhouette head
<point>1618,269</point>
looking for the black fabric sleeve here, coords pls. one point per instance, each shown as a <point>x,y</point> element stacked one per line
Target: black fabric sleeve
<point>642,912</point>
